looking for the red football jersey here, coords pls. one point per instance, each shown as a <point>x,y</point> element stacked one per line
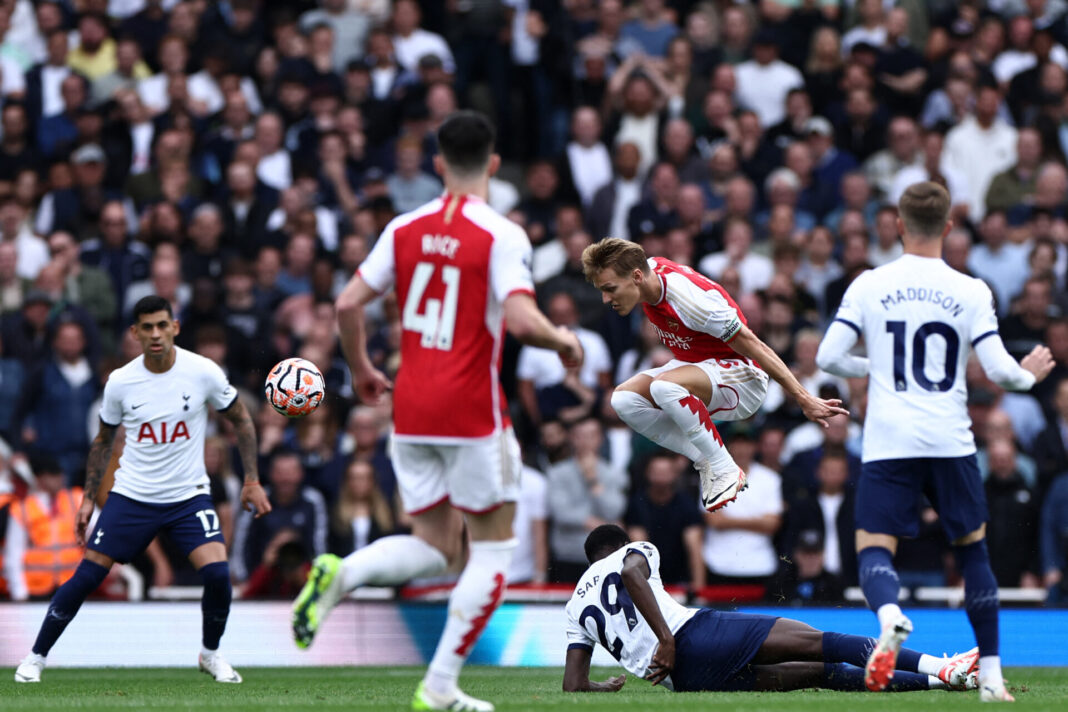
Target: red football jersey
<point>695,317</point>
<point>453,263</point>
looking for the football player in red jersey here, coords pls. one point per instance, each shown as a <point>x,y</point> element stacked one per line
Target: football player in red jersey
<point>461,273</point>
<point>720,370</point>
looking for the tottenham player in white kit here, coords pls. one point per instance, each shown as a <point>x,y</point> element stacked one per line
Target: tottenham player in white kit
<point>620,603</point>
<point>920,320</point>
<point>162,399</point>
<point>461,273</point>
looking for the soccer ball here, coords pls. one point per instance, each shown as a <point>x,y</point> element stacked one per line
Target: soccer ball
<point>294,387</point>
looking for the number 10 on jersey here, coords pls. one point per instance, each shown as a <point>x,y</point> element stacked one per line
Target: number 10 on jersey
<point>436,319</point>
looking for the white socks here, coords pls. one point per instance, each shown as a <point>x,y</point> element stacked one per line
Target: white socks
<point>888,613</point>
<point>691,416</point>
<point>645,418</point>
<point>476,596</point>
<point>390,561</point>
<point>930,665</point>
<point>990,672</point>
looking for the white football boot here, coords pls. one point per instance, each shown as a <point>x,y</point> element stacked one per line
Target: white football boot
<point>215,665</point>
<point>29,670</point>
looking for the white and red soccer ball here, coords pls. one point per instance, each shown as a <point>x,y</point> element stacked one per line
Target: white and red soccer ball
<point>294,387</point>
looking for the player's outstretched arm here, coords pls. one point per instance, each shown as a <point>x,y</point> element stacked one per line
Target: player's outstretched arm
<point>352,327</point>
<point>577,674</point>
<point>636,580</point>
<point>525,322</point>
<point>252,494</point>
<point>749,345</point>
<point>833,355</point>
<point>1003,369</point>
<point>95,465</point>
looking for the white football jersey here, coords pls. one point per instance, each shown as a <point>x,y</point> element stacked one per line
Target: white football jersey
<point>920,319</point>
<point>600,611</point>
<point>166,415</point>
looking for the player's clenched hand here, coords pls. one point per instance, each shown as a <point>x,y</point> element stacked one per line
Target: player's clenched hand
<point>1039,362</point>
<point>819,410</point>
<point>81,520</point>
<point>663,662</point>
<point>571,353</point>
<point>371,384</point>
<point>253,498</point>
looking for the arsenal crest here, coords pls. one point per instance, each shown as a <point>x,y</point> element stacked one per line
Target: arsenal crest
<point>673,325</point>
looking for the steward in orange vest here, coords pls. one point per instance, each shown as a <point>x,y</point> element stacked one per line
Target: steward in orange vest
<point>52,552</point>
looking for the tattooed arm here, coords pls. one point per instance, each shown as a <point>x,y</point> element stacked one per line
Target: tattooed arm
<point>96,464</point>
<point>252,494</point>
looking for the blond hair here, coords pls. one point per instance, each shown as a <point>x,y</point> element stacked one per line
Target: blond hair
<point>924,208</point>
<point>622,256</point>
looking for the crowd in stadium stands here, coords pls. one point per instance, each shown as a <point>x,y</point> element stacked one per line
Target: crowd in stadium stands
<point>240,157</point>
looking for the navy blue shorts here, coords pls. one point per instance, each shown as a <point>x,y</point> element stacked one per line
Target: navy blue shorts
<point>890,494</point>
<point>126,527</point>
<point>713,650</point>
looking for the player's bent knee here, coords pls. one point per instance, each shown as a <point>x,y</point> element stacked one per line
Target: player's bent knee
<point>100,559</point>
<point>627,403</point>
<point>866,540</point>
<point>666,391</point>
<point>972,537</point>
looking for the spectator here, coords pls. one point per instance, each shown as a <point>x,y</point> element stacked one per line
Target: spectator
<point>412,43</point>
<point>664,515</point>
<point>1012,530</point>
<point>45,79</point>
<point>612,203</point>
<point>350,25</point>
<point>765,80</point>
<point>870,28</point>
<point>57,399</point>
<point>656,213</point>
<point>548,390</point>
<point>803,578</point>
<point>754,270</point>
<point>586,164</point>
<point>739,539</point>
<point>980,147</point>
<point>409,187</point>
<point>1033,310</point>
<point>902,151</point>
<point>1017,183</point>
<point>295,508</point>
<point>584,493</point>
<point>41,548</point>
<point>828,510</point>
<point>361,514</point>
<point>650,32</point>
<point>31,250</point>
<point>17,153</point>
<point>530,562</point>
<point>1051,446</point>
<point>998,262</point>
<point>887,247</point>
<point>933,168</point>
<point>1054,541</point>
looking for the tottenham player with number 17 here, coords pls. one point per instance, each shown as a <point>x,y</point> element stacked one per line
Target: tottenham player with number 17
<point>720,370</point>
<point>920,320</point>
<point>162,398</point>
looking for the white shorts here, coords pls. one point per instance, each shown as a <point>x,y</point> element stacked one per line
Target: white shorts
<point>738,386</point>
<point>475,476</point>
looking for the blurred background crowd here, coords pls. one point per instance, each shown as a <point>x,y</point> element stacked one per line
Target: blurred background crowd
<point>239,158</point>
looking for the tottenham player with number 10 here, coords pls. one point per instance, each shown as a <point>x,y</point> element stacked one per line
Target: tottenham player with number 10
<point>162,399</point>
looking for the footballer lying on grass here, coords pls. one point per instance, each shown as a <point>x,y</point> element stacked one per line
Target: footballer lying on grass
<point>620,602</point>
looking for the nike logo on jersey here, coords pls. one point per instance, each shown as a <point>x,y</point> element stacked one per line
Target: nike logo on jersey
<point>135,407</point>
<point>99,536</point>
<point>211,534</point>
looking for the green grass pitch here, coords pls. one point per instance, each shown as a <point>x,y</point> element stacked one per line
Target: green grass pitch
<point>293,689</point>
